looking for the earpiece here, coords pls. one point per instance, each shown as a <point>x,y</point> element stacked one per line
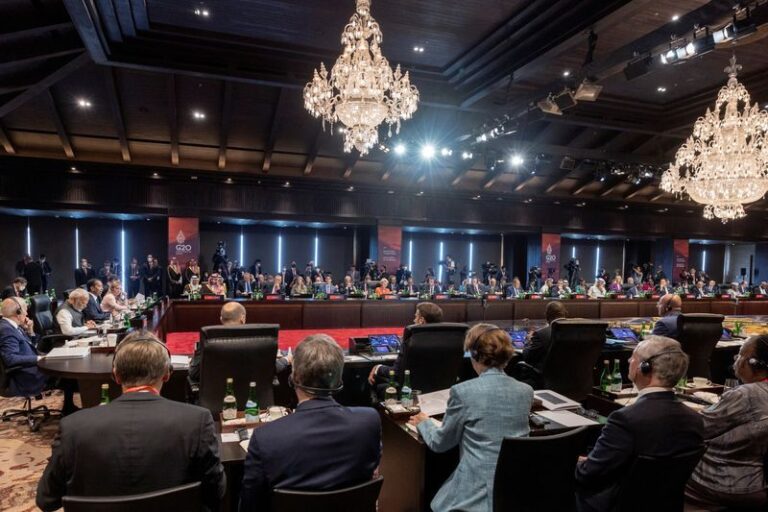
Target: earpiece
<point>646,366</point>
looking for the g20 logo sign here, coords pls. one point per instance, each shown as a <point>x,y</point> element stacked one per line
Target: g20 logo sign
<point>181,246</point>
<point>550,258</point>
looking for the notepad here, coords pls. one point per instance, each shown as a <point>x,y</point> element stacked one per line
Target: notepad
<point>567,418</point>
<point>180,360</point>
<point>435,403</point>
<point>59,353</point>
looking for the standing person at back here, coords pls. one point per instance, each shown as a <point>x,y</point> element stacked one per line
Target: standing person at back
<point>140,442</point>
<point>481,413</point>
<point>321,446</point>
<point>656,425</point>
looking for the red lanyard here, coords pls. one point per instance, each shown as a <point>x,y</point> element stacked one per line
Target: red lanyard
<point>136,389</point>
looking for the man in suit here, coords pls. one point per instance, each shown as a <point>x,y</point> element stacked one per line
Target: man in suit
<point>743,287</point>
<point>535,352</point>
<point>426,313</point>
<point>71,317</point>
<point>474,288</point>
<point>322,445</point>
<point>290,274</point>
<point>16,288</point>
<point>275,287</point>
<point>33,273</point>
<point>430,288</point>
<point>663,287</point>
<point>17,349</point>
<point>698,290</point>
<point>328,287</point>
<point>669,307</point>
<point>409,288</point>
<point>711,288</point>
<point>21,264</point>
<point>631,291</point>
<point>762,288</point>
<point>515,290</point>
<point>84,273</point>
<point>246,286</point>
<point>154,443</point>
<point>656,425</point>
<point>93,309</point>
<point>151,276</point>
<point>47,271</point>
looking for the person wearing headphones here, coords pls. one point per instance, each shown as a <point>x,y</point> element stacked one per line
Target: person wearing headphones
<point>140,442</point>
<point>322,445</point>
<point>669,308</point>
<point>656,425</point>
<point>481,412</point>
<point>731,473</point>
<point>17,349</point>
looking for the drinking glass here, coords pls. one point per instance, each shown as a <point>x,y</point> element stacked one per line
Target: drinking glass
<point>731,383</point>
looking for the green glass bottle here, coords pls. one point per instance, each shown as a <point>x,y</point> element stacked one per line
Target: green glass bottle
<point>229,408</point>
<point>605,377</point>
<point>616,381</point>
<point>390,394</point>
<point>252,405</point>
<point>104,394</point>
<point>406,393</point>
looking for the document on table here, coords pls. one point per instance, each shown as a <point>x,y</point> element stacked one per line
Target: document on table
<point>435,403</point>
<point>180,360</point>
<point>68,353</point>
<point>730,343</point>
<point>566,418</point>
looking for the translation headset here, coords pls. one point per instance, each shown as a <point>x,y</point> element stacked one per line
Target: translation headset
<point>317,391</point>
<point>146,340</point>
<point>476,343</point>
<point>18,306</point>
<point>646,366</point>
<point>759,363</point>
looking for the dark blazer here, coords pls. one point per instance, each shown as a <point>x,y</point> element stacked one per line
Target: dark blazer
<point>514,292</point>
<point>656,425</point>
<point>17,350</point>
<point>241,288</point>
<point>474,290</point>
<point>667,325</point>
<point>322,446</point>
<point>82,276</point>
<point>435,289</point>
<point>33,273</point>
<point>93,310</point>
<point>152,443</point>
<point>536,351</point>
<point>8,292</point>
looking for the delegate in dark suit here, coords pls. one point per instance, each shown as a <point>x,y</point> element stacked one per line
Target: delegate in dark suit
<point>83,276</point>
<point>10,291</point>
<point>667,325</point>
<point>33,273</point>
<point>17,350</point>
<point>321,446</point>
<point>93,310</point>
<point>152,443</point>
<point>656,425</point>
<point>535,352</point>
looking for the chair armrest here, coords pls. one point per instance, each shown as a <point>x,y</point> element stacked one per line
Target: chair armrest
<point>193,391</point>
<point>531,375</point>
<point>48,342</point>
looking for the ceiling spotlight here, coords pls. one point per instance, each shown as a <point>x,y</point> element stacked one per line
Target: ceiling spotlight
<point>341,130</point>
<point>428,151</point>
<point>198,115</point>
<point>477,197</point>
<point>390,191</point>
<point>675,17</point>
<point>587,91</point>
<point>466,155</point>
<point>517,160</point>
<point>420,193</point>
<point>83,103</point>
<point>400,149</point>
<point>418,49</point>
<point>581,205</point>
<point>566,73</point>
<point>228,181</point>
<point>193,178</point>
<point>287,184</point>
<point>446,152</point>
<point>350,189</point>
<point>661,89</point>
<point>155,175</point>
<point>548,106</point>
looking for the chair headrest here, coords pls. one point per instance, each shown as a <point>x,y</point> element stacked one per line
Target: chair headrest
<point>239,331</point>
<point>699,318</point>
<point>438,327</point>
<point>40,303</point>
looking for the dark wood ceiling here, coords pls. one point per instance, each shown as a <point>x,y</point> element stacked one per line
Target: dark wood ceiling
<point>146,65</point>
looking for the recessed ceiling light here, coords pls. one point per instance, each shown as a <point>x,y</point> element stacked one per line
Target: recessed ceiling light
<point>476,197</point>
<point>155,175</point>
<point>557,202</point>
<point>390,191</point>
<point>567,73</point>
<point>228,181</point>
<point>350,189</point>
<point>517,160</point>
<point>420,193</point>
<point>193,177</point>
<point>203,12</point>
<point>675,17</point>
<point>400,149</point>
<point>661,89</point>
<point>428,151</point>
<point>581,205</point>
<point>83,103</point>
<point>198,115</point>
<point>286,184</point>
<point>446,152</point>
<point>466,155</point>
<point>418,49</point>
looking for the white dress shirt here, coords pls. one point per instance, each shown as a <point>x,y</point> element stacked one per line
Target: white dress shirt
<point>64,318</point>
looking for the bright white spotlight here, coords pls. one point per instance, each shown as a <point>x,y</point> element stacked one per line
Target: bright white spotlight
<point>517,160</point>
<point>466,155</point>
<point>446,152</point>
<point>400,149</point>
<point>428,151</point>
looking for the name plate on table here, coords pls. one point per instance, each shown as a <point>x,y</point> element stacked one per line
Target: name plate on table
<point>759,296</point>
<point>655,296</point>
<point>492,296</point>
<point>620,297</point>
<point>213,297</point>
<point>442,296</point>
<point>689,296</point>
<point>337,296</point>
<point>534,296</point>
<point>579,296</point>
<point>391,296</point>
<point>273,297</point>
<point>725,296</point>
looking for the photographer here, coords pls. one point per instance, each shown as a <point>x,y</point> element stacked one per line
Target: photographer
<point>574,272</point>
<point>490,270</point>
<point>534,279</point>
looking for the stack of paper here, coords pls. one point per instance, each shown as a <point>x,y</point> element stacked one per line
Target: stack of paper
<point>180,361</point>
<point>434,404</point>
<point>566,418</point>
<point>68,353</point>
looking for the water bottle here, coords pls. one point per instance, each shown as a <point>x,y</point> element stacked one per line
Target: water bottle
<point>406,394</point>
<point>605,376</point>
<point>229,408</point>
<point>252,405</point>
<point>104,394</point>
<point>616,381</point>
<point>390,394</point>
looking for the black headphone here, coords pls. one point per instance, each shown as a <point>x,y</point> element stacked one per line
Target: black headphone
<point>18,306</point>
<point>316,391</point>
<point>645,366</point>
<point>759,363</point>
<point>476,342</point>
<point>146,339</point>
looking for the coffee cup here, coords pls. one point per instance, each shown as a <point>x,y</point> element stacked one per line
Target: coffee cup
<point>700,381</point>
<point>111,340</point>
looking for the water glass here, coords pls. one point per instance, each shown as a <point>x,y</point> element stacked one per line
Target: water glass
<point>731,383</point>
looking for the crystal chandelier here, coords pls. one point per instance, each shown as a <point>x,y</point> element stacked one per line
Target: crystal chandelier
<point>362,91</point>
<point>724,163</point>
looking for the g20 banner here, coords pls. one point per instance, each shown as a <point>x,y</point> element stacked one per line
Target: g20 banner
<point>550,256</point>
<point>390,246</point>
<point>183,238</point>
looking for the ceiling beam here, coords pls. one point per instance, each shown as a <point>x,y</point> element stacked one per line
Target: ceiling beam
<point>274,126</point>
<point>390,164</point>
<point>583,184</point>
<point>523,184</point>
<point>491,178</point>
<point>66,144</point>
<point>349,164</point>
<point>173,118</point>
<point>117,112</point>
<point>612,185</point>
<point>64,71</point>
<point>5,141</point>
<point>658,196</point>
<point>226,121</point>
<point>635,190</point>
<point>9,37</point>
<point>313,152</point>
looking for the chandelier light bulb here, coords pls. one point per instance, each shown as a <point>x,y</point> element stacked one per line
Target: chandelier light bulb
<point>428,152</point>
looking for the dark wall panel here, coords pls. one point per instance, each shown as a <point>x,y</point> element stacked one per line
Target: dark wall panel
<point>715,259</point>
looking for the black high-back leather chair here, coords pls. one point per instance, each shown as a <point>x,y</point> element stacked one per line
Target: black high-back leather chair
<point>657,484</point>
<point>575,349</point>
<point>698,334</point>
<point>244,352</point>
<point>34,416</point>
<point>186,497</point>
<point>547,463</point>
<point>360,498</point>
<point>434,353</point>
<point>45,325</point>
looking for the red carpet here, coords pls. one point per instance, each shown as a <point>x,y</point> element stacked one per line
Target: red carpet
<point>184,342</point>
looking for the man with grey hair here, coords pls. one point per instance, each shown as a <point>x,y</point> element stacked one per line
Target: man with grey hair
<point>70,315</point>
<point>656,425</point>
<point>232,313</point>
<point>152,443</point>
<point>322,446</point>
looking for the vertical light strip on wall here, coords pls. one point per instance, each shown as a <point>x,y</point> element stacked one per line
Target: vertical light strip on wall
<point>597,260</point>
<point>440,267</point>
<point>471,255</point>
<point>122,256</point>
<point>317,244</point>
<point>410,254</point>
<point>242,247</point>
<point>279,254</point>
<point>703,260</point>
<point>77,247</point>
<point>573,251</point>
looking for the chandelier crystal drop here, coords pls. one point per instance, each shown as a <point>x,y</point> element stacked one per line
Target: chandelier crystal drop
<point>724,163</point>
<point>362,91</point>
